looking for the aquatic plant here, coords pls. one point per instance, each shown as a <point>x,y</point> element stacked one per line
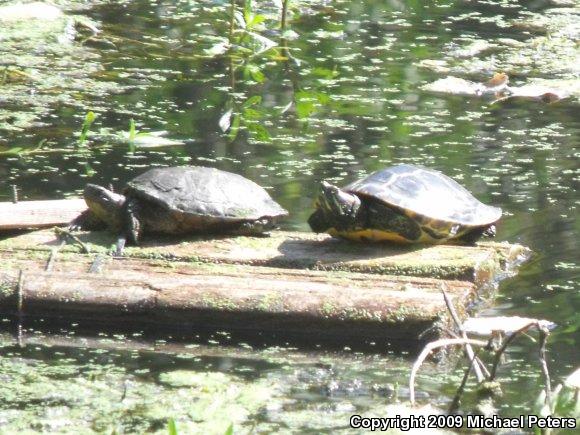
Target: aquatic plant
<point>88,121</point>
<point>562,401</point>
<point>171,427</point>
<point>251,53</point>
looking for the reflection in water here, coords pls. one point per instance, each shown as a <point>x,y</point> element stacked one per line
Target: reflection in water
<point>344,99</point>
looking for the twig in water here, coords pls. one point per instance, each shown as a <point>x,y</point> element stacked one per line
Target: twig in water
<point>429,347</point>
<point>455,403</point>
<point>477,364</point>
<point>504,346</point>
<point>544,333</point>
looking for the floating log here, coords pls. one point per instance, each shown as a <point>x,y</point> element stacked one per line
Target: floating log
<point>481,264</point>
<point>39,214</point>
<point>291,282</point>
<point>239,296</point>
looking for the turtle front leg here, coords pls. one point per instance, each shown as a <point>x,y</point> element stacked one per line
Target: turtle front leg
<point>473,236</point>
<point>132,227</point>
<point>86,221</point>
<point>259,228</point>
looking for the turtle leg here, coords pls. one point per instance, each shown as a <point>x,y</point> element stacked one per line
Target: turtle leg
<point>121,241</point>
<point>86,221</point>
<point>473,236</point>
<point>259,227</point>
<point>132,227</point>
<point>382,217</point>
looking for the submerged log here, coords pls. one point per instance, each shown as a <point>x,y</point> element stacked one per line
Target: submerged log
<point>39,214</point>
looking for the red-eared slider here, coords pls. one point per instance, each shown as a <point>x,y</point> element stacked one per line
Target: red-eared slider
<point>182,200</point>
<point>404,204</point>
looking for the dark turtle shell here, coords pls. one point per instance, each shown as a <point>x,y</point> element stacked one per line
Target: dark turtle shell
<point>205,192</point>
<point>426,193</point>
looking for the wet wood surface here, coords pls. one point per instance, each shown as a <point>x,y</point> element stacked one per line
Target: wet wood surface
<point>480,264</point>
<point>292,282</point>
<point>39,214</point>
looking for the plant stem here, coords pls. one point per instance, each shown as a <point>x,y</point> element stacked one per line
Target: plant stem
<point>232,19</point>
<point>544,332</point>
<point>285,4</point>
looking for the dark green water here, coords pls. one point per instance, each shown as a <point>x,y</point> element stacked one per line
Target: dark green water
<point>357,105</point>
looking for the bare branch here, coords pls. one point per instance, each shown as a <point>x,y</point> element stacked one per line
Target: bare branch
<point>429,347</point>
<point>506,343</point>
<point>476,362</point>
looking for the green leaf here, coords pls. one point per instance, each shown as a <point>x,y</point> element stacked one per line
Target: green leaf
<point>323,98</point>
<point>261,133</point>
<point>256,20</point>
<point>12,151</point>
<point>325,73</point>
<point>89,119</point>
<point>252,101</point>
<point>132,130</point>
<point>171,427</point>
<point>252,114</point>
<point>257,75</point>
<point>254,72</point>
<point>304,109</point>
<point>247,11</point>
<point>304,104</point>
<point>230,430</point>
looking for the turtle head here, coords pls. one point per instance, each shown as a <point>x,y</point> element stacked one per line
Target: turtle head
<point>335,208</point>
<point>105,205</point>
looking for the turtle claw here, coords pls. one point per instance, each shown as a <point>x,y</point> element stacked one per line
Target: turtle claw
<point>78,223</point>
<point>120,247</point>
<point>489,232</point>
<point>257,228</point>
<point>87,220</point>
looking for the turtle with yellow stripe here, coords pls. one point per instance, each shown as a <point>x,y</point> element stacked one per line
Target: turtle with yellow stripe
<point>403,204</point>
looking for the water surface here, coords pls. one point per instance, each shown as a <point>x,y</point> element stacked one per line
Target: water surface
<point>347,102</point>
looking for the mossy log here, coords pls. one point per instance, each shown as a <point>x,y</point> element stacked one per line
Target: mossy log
<point>262,298</point>
<point>480,264</point>
<point>291,282</point>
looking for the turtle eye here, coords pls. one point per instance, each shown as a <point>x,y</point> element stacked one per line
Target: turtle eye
<point>104,197</point>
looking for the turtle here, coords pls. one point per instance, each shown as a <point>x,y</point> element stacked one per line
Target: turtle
<point>403,204</point>
<point>182,200</point>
